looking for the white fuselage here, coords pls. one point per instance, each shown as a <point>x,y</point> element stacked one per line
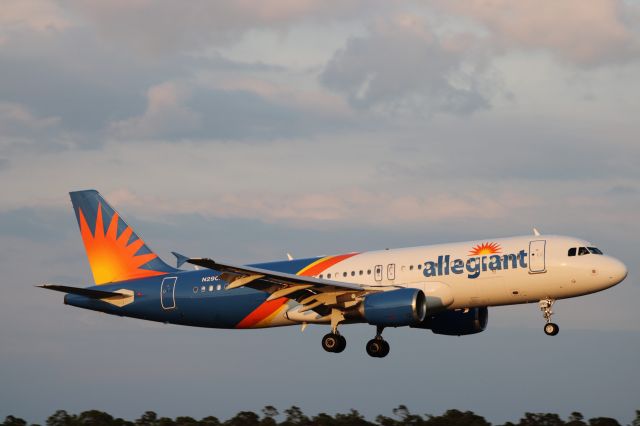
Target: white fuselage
<point>487,273</point>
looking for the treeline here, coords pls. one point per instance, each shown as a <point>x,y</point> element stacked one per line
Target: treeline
<point>295,417</point>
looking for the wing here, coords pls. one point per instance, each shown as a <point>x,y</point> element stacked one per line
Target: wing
<point>313,293</point>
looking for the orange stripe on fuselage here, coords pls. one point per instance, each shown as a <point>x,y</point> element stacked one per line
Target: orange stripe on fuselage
<point>323,264</point>
<point>261,312</point>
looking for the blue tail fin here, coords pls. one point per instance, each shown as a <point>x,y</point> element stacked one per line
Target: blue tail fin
<point>115,251</point>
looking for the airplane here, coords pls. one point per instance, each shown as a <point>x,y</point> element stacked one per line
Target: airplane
<point>446,288</point>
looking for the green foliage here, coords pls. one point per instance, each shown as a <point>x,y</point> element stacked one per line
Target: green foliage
<point>294,416</point>
<point>14,421</point>
<point>541,419</point>
<point>603,421</point>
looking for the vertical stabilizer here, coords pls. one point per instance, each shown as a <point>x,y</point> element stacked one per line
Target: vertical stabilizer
<point>115,251</point>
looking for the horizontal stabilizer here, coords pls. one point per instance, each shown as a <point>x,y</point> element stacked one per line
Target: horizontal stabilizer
<point>118,298</point>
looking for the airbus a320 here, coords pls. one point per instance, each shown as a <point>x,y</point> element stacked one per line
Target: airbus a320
<point>446,288</point>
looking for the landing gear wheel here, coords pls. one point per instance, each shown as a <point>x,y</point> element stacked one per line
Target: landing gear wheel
<point>334,343</point>
<point>377,348</point>
<point>551,329</point>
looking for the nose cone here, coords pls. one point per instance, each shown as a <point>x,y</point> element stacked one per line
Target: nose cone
<point>616,271</point>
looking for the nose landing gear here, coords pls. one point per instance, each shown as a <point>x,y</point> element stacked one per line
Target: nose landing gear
<point>378,347</point>
<point>550,328</point>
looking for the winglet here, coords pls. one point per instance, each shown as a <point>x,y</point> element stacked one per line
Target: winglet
<point>180,259</point>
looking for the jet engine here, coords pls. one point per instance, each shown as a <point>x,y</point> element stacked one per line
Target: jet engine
<point>457,323</point>
<point>395,308</point>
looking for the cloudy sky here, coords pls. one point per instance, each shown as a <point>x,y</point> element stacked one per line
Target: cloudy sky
<point>244,130</point>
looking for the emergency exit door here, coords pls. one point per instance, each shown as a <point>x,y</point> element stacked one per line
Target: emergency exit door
<point>537,256</point>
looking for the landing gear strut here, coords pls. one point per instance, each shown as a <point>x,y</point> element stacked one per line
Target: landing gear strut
<point>334,341</point>
<point>378,347</point>
<point>550,328</point>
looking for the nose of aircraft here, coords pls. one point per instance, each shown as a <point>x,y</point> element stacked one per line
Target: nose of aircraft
<point>615,271</point>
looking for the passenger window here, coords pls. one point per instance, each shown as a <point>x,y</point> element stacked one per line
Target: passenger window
<point>329,276</point>
<point>368,271</point>
<point>582,251</point>
<point>344,274</point>
<point>411,267</point>
<point>594,250</point>
<point>320,276</point>
<point>361,272</point>
<point>572,251</point>
<point>353,273</point>
<point>420,266</point>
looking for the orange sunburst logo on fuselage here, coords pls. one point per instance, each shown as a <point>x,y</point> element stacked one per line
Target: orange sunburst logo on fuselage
<point>485,248</point>
<point>112,257</point>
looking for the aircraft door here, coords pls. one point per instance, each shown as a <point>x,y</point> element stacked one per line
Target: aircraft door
<point>391,271</point>
<point>537,263</point>
<point>378,272</point>
<point>168,293</point>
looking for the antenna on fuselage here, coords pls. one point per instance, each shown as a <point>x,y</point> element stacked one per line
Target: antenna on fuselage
<point>536,232</point>
<point>289,256</point>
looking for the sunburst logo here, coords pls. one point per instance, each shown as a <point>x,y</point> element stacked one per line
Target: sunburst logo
<point>485,249</point>
<point>112,257</point>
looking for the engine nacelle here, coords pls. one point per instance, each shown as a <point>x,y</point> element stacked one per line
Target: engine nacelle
<point>457,323</point>
<point>395,308</point>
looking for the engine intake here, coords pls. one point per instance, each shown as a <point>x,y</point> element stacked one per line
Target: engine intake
<point>457,323</point>
<point>395,308</point>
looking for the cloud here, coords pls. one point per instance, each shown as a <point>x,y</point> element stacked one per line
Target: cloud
<point>589,34</point>
<point>340,208</point>
<point>234,109</point>
<point>35,15</point>
<point>403,65</point>
<point>164,26</point>
<point>19,127</point>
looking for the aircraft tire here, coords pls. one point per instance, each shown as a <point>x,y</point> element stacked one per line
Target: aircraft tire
<point>551,329</point>
<point>377,348</point>
<point>333,343</point>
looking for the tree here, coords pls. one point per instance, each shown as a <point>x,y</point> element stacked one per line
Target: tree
<point>210,421</point>
<point>323,419</point>
<point>636,421</point>
<point>541,419</point>
<point>270,412</point>
<point>186,421</point>
<point>244,418</point>
<point>95,418</point>
<point>295,417</point>
<point>61,418</point>
<point>457,418</point>
<point>576,419</point>
<point>406,417</point>
<point>353,418</point>
<point>603,421</point>
<point>14,421</point>
<point>149,418</point>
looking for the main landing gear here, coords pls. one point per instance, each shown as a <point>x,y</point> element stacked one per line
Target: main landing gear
<point>334,342</point>
<point>550,328</point>
<point>378,347</point>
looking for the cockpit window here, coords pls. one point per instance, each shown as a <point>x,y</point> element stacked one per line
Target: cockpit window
<point>572,251</point>
<point>582,251</point>
<point>594,250</point>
